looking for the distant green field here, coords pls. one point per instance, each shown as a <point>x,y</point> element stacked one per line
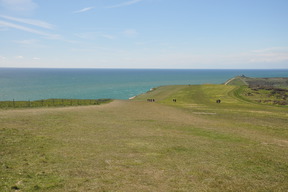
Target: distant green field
<point>280,82</point>
<point>183,141</point>
<point>272,91</point>
<point>51,103</point>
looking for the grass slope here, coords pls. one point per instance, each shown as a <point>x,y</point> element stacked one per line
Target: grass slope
<point>51,103</point>
<point>281,82</point>
<point>193,144</point>
<point>272,91</point>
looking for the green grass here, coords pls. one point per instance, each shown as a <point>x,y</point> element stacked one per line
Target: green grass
<point>272,82</point>
<point>238,81</point>
<point>51,103</point>
<point>193,144</point>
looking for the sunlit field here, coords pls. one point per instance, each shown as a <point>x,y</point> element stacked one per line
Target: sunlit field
<point>183,141</point>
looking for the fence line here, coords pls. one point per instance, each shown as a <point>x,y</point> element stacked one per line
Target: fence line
<point>51,103</point>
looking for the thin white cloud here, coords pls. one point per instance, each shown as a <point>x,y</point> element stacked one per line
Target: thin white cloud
<point>269,58</point>
<point>84,10</point>
<point>34,22</point>
<point>19,57</point>
<point>30,43</point>
<point>272,49</point>
<point>18,5</point>
<point>27,42</point>
<point>130,32</point>
<point>87,35</point>
<point>127,3</point>
<point>107,36</point>
<point>269,55</point>
<point>27,29</point>
<point>36,58</point>
<point>94,35</point>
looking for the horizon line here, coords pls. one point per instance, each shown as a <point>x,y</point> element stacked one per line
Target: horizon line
<point>144,68</point>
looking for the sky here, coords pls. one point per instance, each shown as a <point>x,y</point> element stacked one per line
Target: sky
<point>183,34</point>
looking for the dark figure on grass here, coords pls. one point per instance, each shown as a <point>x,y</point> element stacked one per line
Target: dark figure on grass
<point>218,101</point>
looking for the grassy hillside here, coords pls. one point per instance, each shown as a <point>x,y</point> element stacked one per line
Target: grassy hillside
<point>272,91</point>
<point>280,82</point>
<point>51,103</point>
<point>193,144</point>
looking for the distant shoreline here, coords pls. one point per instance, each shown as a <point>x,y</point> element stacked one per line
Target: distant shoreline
<point>277,83</point>
<point>36,84</point>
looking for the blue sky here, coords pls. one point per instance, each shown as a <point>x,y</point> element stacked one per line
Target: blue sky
<point>195,34</point>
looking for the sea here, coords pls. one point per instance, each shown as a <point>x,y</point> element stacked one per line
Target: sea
<point>27,84</point>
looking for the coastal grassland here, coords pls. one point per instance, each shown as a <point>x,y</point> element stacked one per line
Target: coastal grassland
<point>51,103</point>
<point>280,82</point>
<point>272,91</point>
<point>193,144</point>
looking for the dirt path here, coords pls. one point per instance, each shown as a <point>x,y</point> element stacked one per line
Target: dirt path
<point>227,82</point>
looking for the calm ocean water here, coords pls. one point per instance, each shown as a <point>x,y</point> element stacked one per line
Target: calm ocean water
<point>34,84</point>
